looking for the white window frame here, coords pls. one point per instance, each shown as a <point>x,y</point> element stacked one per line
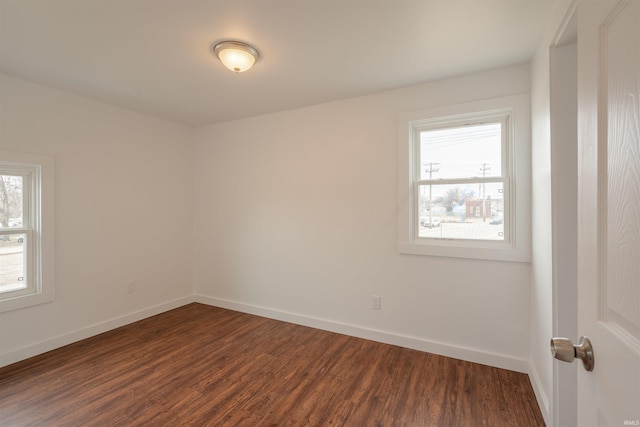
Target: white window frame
<point>516,166</point>
<point>37,226</point>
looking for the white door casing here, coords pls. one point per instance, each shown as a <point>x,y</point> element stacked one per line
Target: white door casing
<point>609,209</point>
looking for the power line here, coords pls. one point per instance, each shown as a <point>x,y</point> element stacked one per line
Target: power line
<point>433,168</point>
<point>485,167</point>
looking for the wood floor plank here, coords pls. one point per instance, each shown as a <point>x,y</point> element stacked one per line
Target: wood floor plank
<point>205,366</point>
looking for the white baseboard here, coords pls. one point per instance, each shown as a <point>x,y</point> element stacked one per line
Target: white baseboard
<point>416,343</point>
<point>541,396</point>
<point>443,349</point>
<point>14,356</point>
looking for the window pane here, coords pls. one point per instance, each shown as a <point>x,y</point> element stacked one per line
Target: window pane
<point>461,152</point>
<point>12,262</point>
<point>461,211</point>
<point>11,201</point>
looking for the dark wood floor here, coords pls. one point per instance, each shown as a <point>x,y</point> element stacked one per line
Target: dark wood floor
<point>205,366</point>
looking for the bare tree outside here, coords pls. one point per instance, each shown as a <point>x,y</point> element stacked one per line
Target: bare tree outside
<point>10,200</point>
<point>454,196</point>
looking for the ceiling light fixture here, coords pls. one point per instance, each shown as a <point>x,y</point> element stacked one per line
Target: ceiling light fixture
<point>236,56</point>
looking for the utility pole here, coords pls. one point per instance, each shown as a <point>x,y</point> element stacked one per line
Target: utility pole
<point>485,167</point>
<point>433,167</point>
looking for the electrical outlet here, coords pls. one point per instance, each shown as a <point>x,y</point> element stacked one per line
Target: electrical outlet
<point>131,286</point>
<point>375,302</point>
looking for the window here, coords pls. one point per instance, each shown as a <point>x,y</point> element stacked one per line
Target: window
<point>26,230</point>
<point>465,179</point>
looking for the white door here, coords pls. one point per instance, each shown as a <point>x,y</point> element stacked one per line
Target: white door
<point>609,209</point>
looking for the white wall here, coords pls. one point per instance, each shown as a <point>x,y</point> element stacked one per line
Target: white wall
<point>123,205</point>
<point>542,268</point>
<point>295,215</point>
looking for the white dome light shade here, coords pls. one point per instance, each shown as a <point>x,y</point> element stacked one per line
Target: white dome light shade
<point>236,56</point>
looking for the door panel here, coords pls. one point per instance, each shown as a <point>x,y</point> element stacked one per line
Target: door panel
<point>609,209</point>
<point>621,66</point>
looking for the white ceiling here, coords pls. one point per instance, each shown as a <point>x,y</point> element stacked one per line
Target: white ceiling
<point>153,56</point>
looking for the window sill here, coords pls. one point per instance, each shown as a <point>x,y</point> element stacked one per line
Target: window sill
<point>24,301</point>
<point>479,252</point>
